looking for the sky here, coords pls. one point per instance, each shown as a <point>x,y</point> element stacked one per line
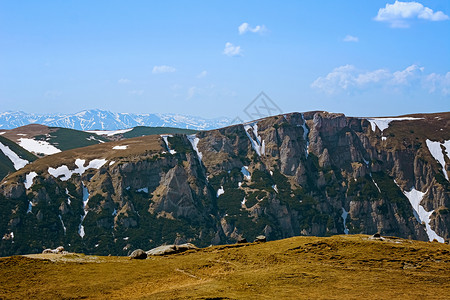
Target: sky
<point>213,58</point>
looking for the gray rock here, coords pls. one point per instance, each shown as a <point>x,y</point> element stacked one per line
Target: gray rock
<point>170,249</point>
<point>138,254</point>
<point>260,239</point>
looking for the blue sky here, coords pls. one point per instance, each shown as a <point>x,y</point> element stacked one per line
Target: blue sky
<point>211,58</point>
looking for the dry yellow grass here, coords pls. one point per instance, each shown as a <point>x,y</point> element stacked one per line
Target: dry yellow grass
<point>296,268</point>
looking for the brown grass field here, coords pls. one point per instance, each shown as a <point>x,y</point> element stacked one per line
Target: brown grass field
<point>338,267</point>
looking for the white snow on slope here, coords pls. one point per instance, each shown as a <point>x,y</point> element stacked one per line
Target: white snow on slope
<point>436,151</point>
<point>383,123</point>
<point>109,132</point>
<point>194,142</point>
<point>220,191</point>
<point>344,216</point>
<point>144,189</point>
<point>18,162</point>
<point>275,188</point>
<point>165,136</point>
<point>258,145</point>
<point>85,202</point>
<point>80,169</point>
<point>62,223</point>
<point>38,146</point>
<point>29,179</point>
<point>30,207</point>
<point>305,135</point>
<point>246,173</point>
<point>415,197</point>
<point>123,147</point>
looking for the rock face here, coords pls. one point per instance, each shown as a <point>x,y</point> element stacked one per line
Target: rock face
<point>315,173</point>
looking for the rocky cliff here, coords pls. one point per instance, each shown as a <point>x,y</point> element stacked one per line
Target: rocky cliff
<point>315,173</point>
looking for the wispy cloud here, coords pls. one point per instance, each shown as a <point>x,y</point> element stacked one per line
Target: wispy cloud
<point>348,79</point>
<point>202,74</point>
<point>136,92</point>
<point>232,50</point>
<point>351,38</point>
<point>52,94</point>
<point>245,27</point>
<point>163,69</point>
<point>123,81</point>
<point>191,92</point>
<point>398,14</point>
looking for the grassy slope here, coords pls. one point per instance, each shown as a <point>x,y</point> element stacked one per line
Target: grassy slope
<point>300,267</point>
<point>143,130</point>
<point>6,166</point>
<point>66,139</point>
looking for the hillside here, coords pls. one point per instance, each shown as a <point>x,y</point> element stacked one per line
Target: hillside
<point>12,157</point>
<point>43,140</point>
<point>315,173</point>
<point>339,267</point>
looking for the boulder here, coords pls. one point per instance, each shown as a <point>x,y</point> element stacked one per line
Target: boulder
<point>260,239</point>
<point>162,250</point>
<point>242,241</point>
<point>47,251</point>
<point>170,249</point>
<point>138,254</point>
<point>60,249</point>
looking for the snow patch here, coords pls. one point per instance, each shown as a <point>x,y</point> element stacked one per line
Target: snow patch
<point>220,191</point>
<point>80,169</point>
<point>193,139</point>
<point>344,216</point>
<point>305,135</point>
<point>29,179</point>
<point>165,136</point>
<point>18,162</point>
<point>85,202</point>
<point>436,150</point>
<point>415,197</point>
<point>123,147</point>
<point>275,188</point>
<point>246,173</point>
<point>144,189</point>
<point>383,138</point>
<point>62,223</point>
<point>112,162</point>
<point>38,146</point>
<point>383,123</point>
<point>258,145</point>
<point>109,132</point>
<point>30,207</point>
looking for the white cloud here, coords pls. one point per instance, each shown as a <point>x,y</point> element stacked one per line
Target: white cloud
<point>405,76</point>
<point>348,79</point>
<point>232,50</point>
<point>123,81</point>
<point>350,38</point>
<point>202,74</point>
<point>398,13</point>
<point>437,82</point>
<point>163,69</point>
<point>245,27</point>
<point>136,92</point>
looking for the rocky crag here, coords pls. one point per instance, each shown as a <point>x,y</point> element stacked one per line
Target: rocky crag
<point>315,173</point>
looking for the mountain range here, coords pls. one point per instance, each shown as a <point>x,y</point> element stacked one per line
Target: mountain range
<point>313,173</point>
<point>96,119</point>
